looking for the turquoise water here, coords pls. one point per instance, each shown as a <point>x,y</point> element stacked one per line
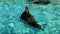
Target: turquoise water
<point>10,22</point>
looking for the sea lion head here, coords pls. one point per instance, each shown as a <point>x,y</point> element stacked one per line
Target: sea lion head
<point>26,10</point>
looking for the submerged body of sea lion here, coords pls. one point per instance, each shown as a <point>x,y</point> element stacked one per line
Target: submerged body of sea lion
<point>40,1</point>
<point>26,16</point>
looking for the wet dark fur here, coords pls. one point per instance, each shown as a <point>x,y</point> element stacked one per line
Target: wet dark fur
<point>26,16</point>
<point>40,1</point>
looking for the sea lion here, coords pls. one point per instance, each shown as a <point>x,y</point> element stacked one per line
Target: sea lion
<point>26,16</point>
<point>40,1</point>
